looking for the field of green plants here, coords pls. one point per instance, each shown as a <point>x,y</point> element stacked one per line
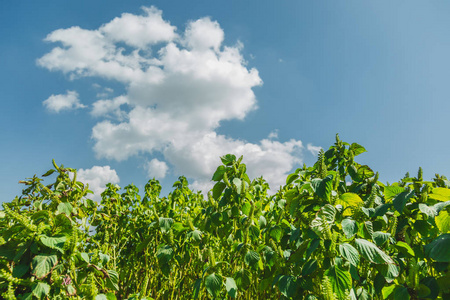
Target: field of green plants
<point>332,232</point>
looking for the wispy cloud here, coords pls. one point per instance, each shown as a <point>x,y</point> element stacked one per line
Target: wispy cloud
<point>180,87</point>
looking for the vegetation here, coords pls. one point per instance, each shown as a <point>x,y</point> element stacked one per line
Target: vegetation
<point>332,232</point>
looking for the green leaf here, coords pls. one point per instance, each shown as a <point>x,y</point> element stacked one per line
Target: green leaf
<point>112,280</point>
<point>325,187</point>
<point>388,290</point>
<point>20,270</point>
<point>357,149</point>
<point>218,189</point>
<point>291,178</point>
<point>401,199</point>
<point>165,224</point>
<point>43,264</point>
<point>48,173</point>
<point>228,159</point>
<point>243,279</point>
<point>349,200</point>
<point>85,257</point>
<point>365,172</point>
<point>309,267</point>
<point>389,272</point>
<point>54,242</point>
<point>380,237</point>
<point>195,235</point>
<point>440,194</point>
<point>381,210</point>
<point>213,283</point>
<point>401,293</point>
<point>164,253</point>
<point>371,252</point>
<point>349,253</point>
<point>101,297</point>
<point>40,289</point>
<point>341,281</point>
<point>429,211</point>
<point>251,258</point>
<point>65,208</point>
<point>350,227</point>
<point>287,285</point>
<point>262,221</point>
<point>276,233</point>
<point>392,191</point>
<point>196,289</point>
<point>438,249</point>
<point>218,175</point>
<point>443,221</point>
<point>404,248</point>
<point>231,287</point>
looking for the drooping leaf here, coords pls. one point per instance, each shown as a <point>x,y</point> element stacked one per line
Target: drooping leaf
<point>392,191</point>
<point>213,284</point>
<point>218,175</point>
<point>43,264</point>
<point>218,189</point>
<point>196,289</point>
<point>372,253</point>
<point>164,253</point>
<point>389,272</point>
<point>357,149</point>
<point>251,258</point>
<point>404,248</point>
<point>65,208</point>
<point>276,233</point>
<point>242,279</point>
<point>112,280</point>
<point>231,287</point>
<point>325,187</point>
<point>340,279</point>
<point>309,267</point>
<point>349,253</point>
<point>380,237</point>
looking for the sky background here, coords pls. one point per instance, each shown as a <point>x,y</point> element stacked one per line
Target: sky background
<point>129,90</point>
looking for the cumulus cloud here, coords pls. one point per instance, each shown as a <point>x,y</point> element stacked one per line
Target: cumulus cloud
<point>313,149</point>
<point>97,177</point>
<point>156,169</point>
<point>180,85</point>
<point>273,134</point>
<point>58,103</point>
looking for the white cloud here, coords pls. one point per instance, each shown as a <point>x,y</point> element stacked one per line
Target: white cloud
<point>313,149</point>
<point>273,134</point>
<point>177,94</point>
<point>58,103</point>
<point>156,169</point>
<point>97,177</point>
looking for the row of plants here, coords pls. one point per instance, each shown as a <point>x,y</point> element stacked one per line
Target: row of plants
<point>333,231</point>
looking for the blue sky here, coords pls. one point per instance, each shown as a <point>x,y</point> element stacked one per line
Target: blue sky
<point>125,92</point>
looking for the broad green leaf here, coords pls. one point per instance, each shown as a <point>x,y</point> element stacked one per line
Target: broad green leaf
<point>218,189</point>
<point>392,191</point>
<point>309,267</point>
<point>165,224</point>
<point>438,249</point>
<point>365,172</point>
<point>350,227</point>
<point>54,242</point>
<point>429,211</point>
<point>357,149</point>
<point>218,175</point>
<point>195,235</point>
<point>20,270</point>
<point>40,289</point>
<point>112,280</point>
<point>372,253</point>
<point>349,200</point>
<point>213,284</point>
<point>164,253</point>
<point>440,194</point>
<point>101,297</point>
<point>380,237</point>
<point>349,253</point>
<point>276,233</point>
<point>85,257</point>
<point>381,210</point>
<point>43,264</point>
<point>287,285</point>
<point>443,221</point>
<point>388,290</point>
<point>340,279</point>
<point>291,178</point>
<point>231,287</point>
<point>401,293</point>
<point>228,159</point>
<point>401,199</point>
<point>65,208</point>
<point>251,258</point>
<point>325,187</point>
<point>243,279</point>
<point>262,221</point>
<point>389,272</point>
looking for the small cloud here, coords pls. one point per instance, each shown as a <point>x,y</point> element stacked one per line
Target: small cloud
<point>313,149</point>
<point>97,177</point>
<point>280,60</point>
<point>273,134</point>
<point>156,168</point>
<point>109,108</point>
<point>58,103</point>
